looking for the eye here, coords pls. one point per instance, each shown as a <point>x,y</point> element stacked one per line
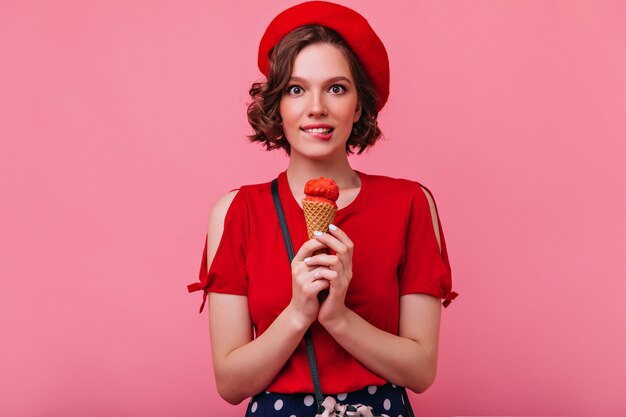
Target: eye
<point>338,89</point>
<point>294,90</point>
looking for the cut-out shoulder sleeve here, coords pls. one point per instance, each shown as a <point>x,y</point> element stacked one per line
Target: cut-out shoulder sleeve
<point>223,265</point>
<point>426,267</point>
<point>433,215</point>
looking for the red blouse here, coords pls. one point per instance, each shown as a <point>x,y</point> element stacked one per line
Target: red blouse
<point>395,253</point>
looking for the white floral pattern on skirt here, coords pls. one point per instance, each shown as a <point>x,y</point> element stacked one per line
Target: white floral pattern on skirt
<point>382,400</point>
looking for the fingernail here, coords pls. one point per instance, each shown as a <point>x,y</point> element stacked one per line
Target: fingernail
<point>332,227</point>
<point>317,233</point>
<point>307,259</point>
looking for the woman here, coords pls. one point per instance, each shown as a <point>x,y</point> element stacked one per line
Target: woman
<point>377,330</point>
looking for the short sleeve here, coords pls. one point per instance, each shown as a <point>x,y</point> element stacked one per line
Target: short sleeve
<point>425,268</point>
<point>228,269</point>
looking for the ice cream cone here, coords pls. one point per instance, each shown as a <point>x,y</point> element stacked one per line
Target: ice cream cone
<point>318,215</point>
<point>319,206</point>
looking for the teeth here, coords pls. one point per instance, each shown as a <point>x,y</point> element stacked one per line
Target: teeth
<point>318,130</point>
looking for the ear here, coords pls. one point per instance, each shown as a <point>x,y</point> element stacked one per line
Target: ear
<point>357,112</point>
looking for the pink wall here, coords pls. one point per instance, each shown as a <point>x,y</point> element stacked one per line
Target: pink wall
<point>122,122</point>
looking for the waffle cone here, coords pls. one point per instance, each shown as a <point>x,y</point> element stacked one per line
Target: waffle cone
<point>318,215</point>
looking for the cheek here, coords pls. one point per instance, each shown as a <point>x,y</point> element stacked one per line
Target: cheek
<point>348,110</point>
<point>287,112</point>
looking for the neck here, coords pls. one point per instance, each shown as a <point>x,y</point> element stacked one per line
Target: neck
<point>300,170</point>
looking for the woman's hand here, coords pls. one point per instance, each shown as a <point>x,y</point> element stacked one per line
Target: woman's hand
<point>306,283</point>
<point>337,270</point>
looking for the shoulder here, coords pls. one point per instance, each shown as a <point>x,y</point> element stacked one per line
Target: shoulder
<point>390,183</point>
<point>221,206</point>
<point>412,193</point>
<point>235,203</point>
<point>217,218</point>
<point>238,196</point>
<point>430,199</point>
<point>433,213</point>
<point>400,187</point>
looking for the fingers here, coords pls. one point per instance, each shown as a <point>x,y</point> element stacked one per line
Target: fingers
<point>329,261</point>
<point>337,240</point>
<point>318,285</point>
<point>324,274</point>
<point>307,249</point>
<point>329,266</point>
<point>313,284</point>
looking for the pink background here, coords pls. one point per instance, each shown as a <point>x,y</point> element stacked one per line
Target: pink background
<point>122,122</point>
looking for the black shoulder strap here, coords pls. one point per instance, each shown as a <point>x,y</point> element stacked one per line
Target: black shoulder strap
<point>282,220</point>
<point>307,336</point>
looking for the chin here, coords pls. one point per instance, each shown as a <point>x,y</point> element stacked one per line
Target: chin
<point>316,156</point>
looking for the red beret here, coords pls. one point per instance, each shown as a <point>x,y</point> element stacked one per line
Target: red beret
<point>352,27</point>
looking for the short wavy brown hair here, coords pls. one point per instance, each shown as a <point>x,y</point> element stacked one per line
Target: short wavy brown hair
<point>264,110</point>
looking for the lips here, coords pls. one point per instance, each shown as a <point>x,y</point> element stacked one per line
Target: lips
<point>319,131</point>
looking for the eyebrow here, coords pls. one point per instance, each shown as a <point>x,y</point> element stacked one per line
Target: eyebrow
<point>330,80</point>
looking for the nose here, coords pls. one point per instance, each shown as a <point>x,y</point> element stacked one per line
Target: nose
<point>317,105</point>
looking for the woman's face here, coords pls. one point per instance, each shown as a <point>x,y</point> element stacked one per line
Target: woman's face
<point>320,103</point>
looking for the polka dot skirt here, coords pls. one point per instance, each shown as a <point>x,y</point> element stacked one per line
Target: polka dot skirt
<point>386,399</point>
